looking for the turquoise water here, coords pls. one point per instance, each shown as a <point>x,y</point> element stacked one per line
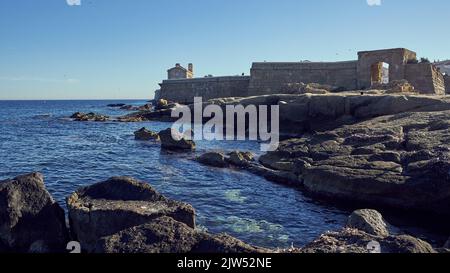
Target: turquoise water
<point>38,136</point>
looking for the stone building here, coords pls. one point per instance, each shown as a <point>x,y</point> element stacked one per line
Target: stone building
<point>179,72</point>
<point>371,68</point>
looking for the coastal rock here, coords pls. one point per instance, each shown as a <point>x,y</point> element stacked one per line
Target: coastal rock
<point>369,221</point>
<point>145,107</point>
<point>307,113</point>
<point>114,105</point>
<point>78,116</point>
<point>400,161</point>
<point>175,141</point>
<point>128,108</point>
<point>240,159</point>
<point>119,203</point>
<point>165,235</point>
<point>146,135</point>
<point>357,241</point>
<point>220,160</point>
<point>129,119</point>
<point>30,217</point>
<point>213,159</point>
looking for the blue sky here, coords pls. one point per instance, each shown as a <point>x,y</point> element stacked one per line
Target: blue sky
<point>122,48</point>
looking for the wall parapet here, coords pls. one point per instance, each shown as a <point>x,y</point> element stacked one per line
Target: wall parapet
<point>184,90</point>
<point>304,65</point>
<point>207,79</point>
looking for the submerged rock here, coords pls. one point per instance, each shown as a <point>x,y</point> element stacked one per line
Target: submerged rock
<point>145,135</point>
<point>369,221</point>
<point>31,221</point>
<point>175,141</point>
<point>114,105</point>
<point>119,203</point>
<point>165,235</point>
<point>145,107</point>
<point>213,159</point>
<point>240,159</point>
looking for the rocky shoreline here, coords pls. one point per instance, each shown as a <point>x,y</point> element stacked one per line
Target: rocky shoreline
<point>370,149</point>
<point>124,215</point>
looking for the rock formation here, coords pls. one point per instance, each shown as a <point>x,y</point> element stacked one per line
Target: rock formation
<point>175,141</point>
<point>119,203</point>
<point>220,160</point>
<point>165,235</point>
<point>146,135</point>
<point>400,161</point>
<point>78,116</point>
<point>369,221</point>
<point>213,159</point>
<point>31,221</point>
<point>356,241</point>
<point>123,215</point>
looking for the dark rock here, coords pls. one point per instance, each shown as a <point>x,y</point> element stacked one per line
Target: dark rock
<point>213,159</point>
<point>114,105</point>
<point>175,141</point>
<point>145,135</point>
<point>240,159</point>
<point>119,203</point>
<point>30,217</point>
<point>357,241</point>
<point>165,235</point>
<point>130,119</point>
<point>369,221</point>
<point>77,115</point>
<point>89,117</point>
<point>145,107</point>
<point>128,108</point>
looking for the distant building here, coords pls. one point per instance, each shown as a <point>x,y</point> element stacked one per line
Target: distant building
<point>179,72</point>
<point>371,69</point>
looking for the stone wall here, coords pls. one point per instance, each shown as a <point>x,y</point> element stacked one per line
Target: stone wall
<point>425,78</point>
<point>397,58</point>
<point>447,84</point>
<point>184,91</point>
<point>271,78</point>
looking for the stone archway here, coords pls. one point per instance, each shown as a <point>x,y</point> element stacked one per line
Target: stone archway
<point>379,73</point>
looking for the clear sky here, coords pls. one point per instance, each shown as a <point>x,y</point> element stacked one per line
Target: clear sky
<point>122,48</point>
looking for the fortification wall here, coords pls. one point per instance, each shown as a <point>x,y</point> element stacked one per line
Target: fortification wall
<point>447,84</point>
<point>184,91</point>
<point>397,58</point>
<point>271,78</point>
<point>425,78</point>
